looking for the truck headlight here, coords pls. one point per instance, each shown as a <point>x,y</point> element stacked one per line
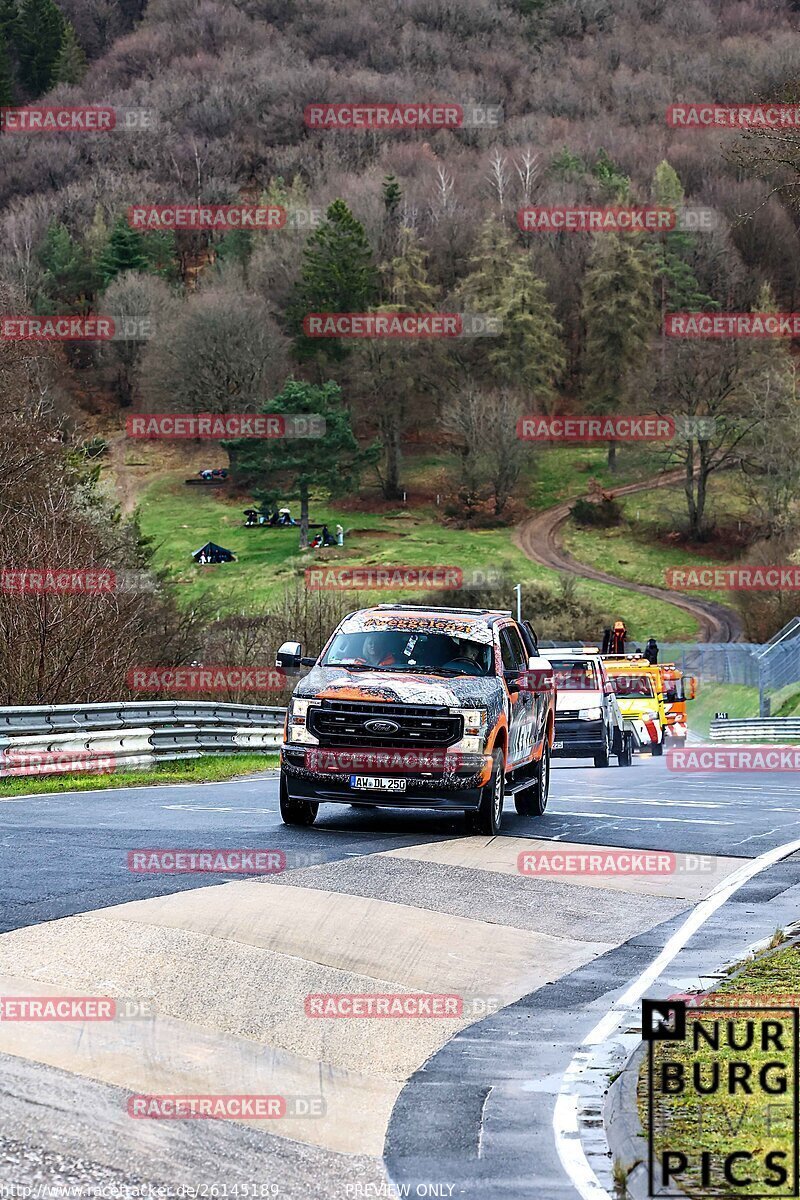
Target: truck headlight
<point>590,714</point>
<point>649,715</point>
<point>297,726</point>
<point>475,728</point>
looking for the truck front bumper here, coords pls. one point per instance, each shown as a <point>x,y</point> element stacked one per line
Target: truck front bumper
<point>579,739</point>
<point>458,789</point>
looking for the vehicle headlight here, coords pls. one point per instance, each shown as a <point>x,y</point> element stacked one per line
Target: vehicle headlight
<point>590,714</point>
<point>297,727</point>
<point>649,715</point>
<point>475,728</point>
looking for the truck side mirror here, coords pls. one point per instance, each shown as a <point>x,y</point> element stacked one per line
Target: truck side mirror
<point>691,687</point>
<point>540,673</point>
<point>289,658</point>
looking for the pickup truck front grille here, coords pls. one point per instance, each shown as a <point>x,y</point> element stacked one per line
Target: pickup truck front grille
<point>344,723</point>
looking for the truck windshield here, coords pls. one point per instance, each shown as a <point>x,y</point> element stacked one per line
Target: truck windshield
<point>633,687</point>
<point>573,676</point>
<point>391,650</point>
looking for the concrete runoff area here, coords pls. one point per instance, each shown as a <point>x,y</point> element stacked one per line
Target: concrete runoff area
<point>227,969</point>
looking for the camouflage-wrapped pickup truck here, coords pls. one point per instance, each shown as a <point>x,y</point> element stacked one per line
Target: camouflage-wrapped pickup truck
<point>414,707</point>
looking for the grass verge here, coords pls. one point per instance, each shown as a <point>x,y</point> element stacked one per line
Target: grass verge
<point>733,698</point>
<point>210,768</point>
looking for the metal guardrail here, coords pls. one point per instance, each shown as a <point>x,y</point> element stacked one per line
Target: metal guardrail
<point>66,738</point>
<point>755,729</point>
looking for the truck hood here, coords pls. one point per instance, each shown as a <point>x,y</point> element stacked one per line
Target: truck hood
<point>394,687</point>
<point>635,708</point>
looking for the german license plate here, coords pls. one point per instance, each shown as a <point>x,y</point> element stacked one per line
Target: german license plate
<point>558,745</point>
<point>376,783</point>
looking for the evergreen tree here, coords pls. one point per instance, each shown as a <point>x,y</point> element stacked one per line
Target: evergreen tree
<point>40,31</point>
<point>6,75</point>
<point>124,252</point>
<point>613,183</point>
<point>566,165</point>
<point>71,65</point>
<point>69,282</point>
<point>619,316</point>
<point>677,286</point>
<point>390,375</point>
<point>390,233</point>
<point>274,469</point>
<point>488,266</point>
<point>392,194</point>
<point>527,352</point>
<point>338,276</point>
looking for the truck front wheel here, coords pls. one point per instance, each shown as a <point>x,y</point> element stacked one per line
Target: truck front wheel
<point>486,819</point>
<point>296,812</point>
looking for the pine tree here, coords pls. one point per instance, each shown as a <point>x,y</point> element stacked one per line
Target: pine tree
<point>124,252</point>
<point>677,284</point>
<point>6,75</point>
<point>273,469</point>
<point>619,318</point>
<point>392,194</point>
<point>40,30</point>
<point>338,276</point>
<point>613,183</point>
<point>528,353</point>
<point>390,375</point>
<point>68,282</point>
<point>71,65</point>
<point>488,266</point>
<point>566,165</point>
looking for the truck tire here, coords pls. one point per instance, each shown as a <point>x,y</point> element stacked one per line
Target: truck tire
<point>657,749</point>
<point>486,818</point>
<point>533,801</point>
<point>625,755</point>
<point>601,759</point>
<point>296,812</point>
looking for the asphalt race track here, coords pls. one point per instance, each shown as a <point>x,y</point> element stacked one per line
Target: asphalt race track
<point>214,973</point>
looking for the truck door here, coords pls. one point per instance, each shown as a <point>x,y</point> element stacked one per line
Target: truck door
<point>523,703</point>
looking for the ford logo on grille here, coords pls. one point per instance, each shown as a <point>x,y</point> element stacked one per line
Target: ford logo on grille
<point>382,726</point>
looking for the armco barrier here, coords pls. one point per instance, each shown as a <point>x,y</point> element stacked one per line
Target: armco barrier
<point>134,734</point>
<point>756,729</point>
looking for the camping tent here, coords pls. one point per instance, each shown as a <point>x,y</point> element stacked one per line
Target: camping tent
<point>213,553</point>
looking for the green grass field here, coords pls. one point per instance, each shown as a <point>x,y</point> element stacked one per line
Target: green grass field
<point>635,550</point>
<point>180,519</point>
<point>210,768</point>
<point>734,699</point>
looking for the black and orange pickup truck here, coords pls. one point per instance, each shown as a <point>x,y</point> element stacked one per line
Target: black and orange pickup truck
<point>415,707</point>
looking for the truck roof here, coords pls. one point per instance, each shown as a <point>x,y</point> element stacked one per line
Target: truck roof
<point>486,615</point>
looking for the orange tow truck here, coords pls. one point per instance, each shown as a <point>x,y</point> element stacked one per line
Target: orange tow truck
<point>666,720</point>
<point>676,689</point>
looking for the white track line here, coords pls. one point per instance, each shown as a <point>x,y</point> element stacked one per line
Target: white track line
<point>565,1117</point>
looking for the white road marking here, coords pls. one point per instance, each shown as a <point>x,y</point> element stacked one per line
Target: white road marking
<point>565,1115</point>
<point>216,808</point>
<point>678,803</point>
<point>569,812</point>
